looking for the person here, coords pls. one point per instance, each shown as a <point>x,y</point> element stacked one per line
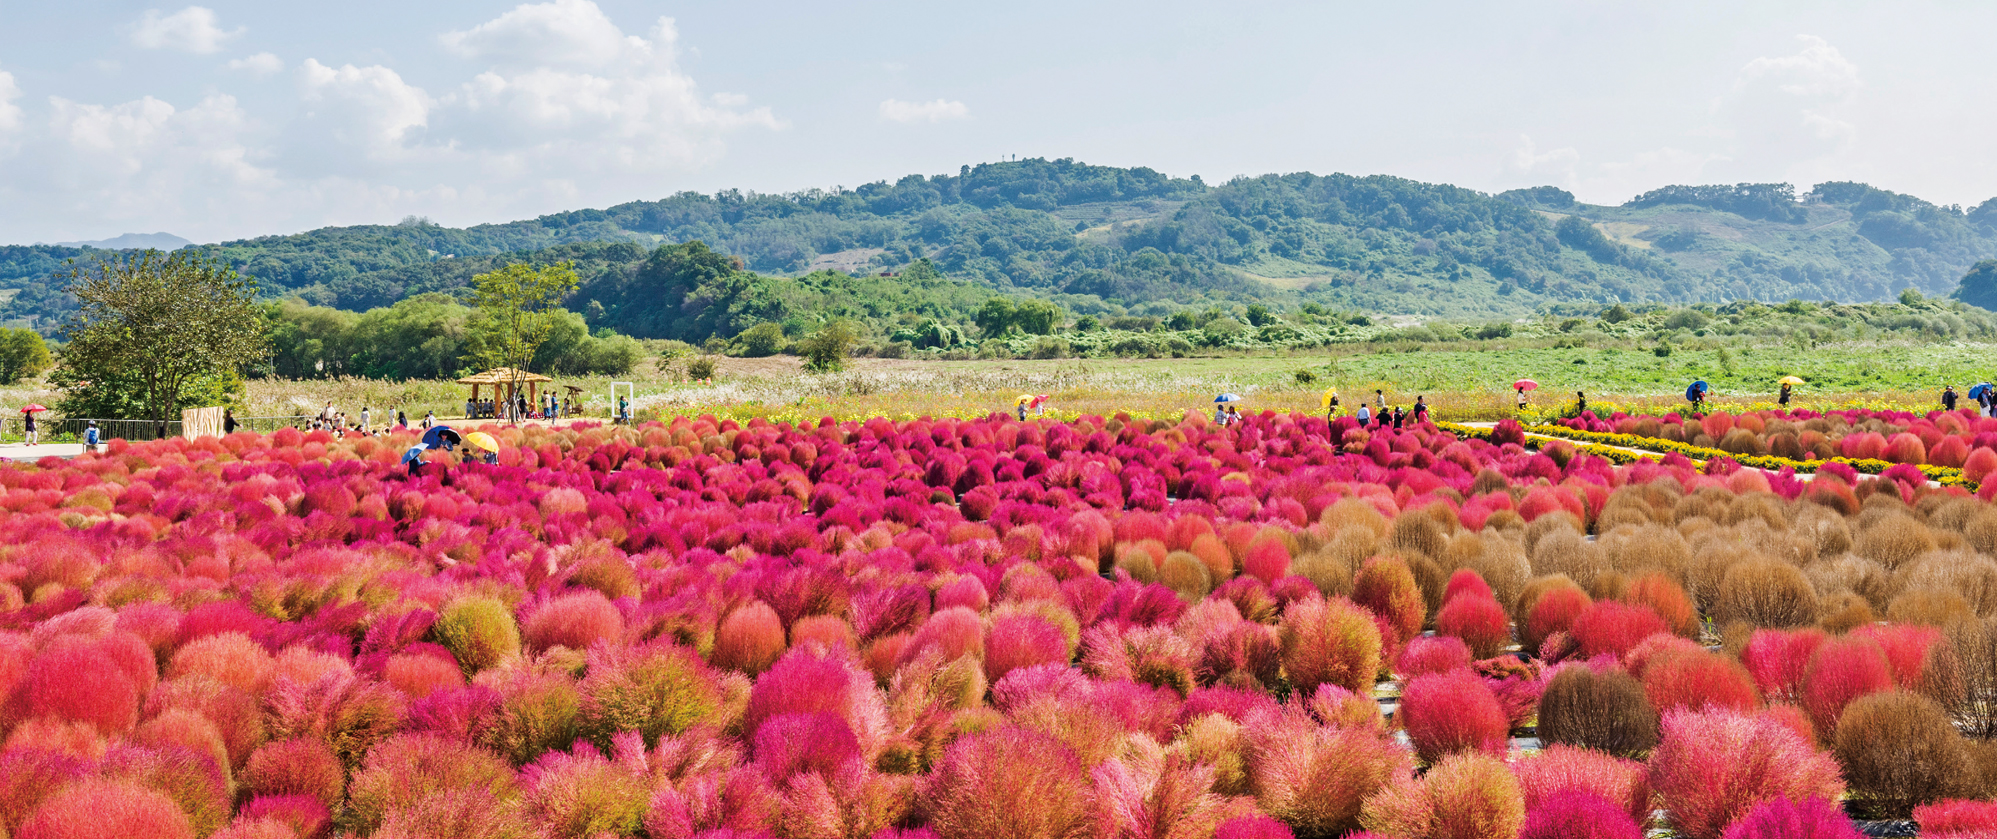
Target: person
<point>414,459</point>
<point>401,419</point>
<point>366,418</point>
<point>1783,397</point>
<point>1219,414</point>
<point>1379,400</point>
<point>90,437</point>
<point>326,413</point>
<point>1698,399</point>
<point>1331,408</point>
<point>1523,401</point>
<point>1580,403</point>
<point>1233,415</point>
<point>429,419</point>
<point>1363,415</point>
<point>228,420</point>
<point>28,420</point>
<point>1421,409</point>
<point>1948,397</point>
<point>1399,417</point>
<point>624,410</point>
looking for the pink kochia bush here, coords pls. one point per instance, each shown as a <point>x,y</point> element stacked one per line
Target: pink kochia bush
<point>1783,818</point>
<point>929,629</point>
<point>1712,767</point>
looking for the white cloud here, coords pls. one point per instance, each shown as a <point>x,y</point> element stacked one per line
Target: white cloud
<point>1785,115</point>
<point>934,111</point>
<point>10,113</point>
<point>193,29</point>
<point>1556,166</point>
<point>572,33</point>
<point>370,108</point>
<point>261,64</point>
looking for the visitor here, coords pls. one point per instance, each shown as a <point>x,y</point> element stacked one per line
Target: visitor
<point>1948,397</point>
<point>1219,413</point>
<point>1523,400</point>
<point>471,408</point>
<point>1783,397</point>
<point>326,413</point>
<point>90,437</point>
<point>1421,409</point>
<point>229,421</point>
<point>365,417</point>
<point>414,458</point>
<point>1580,403</point>
<point>401,419</point>
<point>28,420</point>
<point>429,419</point>
<point>1233,415</point>
<point>1331,408</point>
<point>1363,415</point>
<point>1379,400</point>
<point>624,410</point>
<point>1399,417</point>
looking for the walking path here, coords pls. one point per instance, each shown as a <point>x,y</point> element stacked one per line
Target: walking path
<point>21,452</point>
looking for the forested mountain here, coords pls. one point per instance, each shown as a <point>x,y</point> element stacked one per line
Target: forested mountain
<point>1110,241</point>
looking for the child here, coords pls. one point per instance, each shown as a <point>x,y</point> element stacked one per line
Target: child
<point>90,437</point>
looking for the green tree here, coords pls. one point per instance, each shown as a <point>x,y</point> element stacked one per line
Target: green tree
<point>1259,315</point>
<point>1036,317</point>
<point>156,324</point>
<point>763,339</point>
<point>1979,286</point>
<point>995,318</point>
<point>23,355</point>
<point>826,350</point>
<point>519,307</point>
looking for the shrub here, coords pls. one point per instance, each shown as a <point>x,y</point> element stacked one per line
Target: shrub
<point>230,658</point>
<point>1664,596</point>
<point>1777,658</point>
<point>575,620</point>
<point>1445,713</point>
<point>1613,628</point>
<point>537,712</point>
<point>299,766</point>
<point>458,812</point>
<point>1023,640</point>
<point>1899,751</point>
<point>1784,818</point>
<point>1576,814</point>
<point>479,632</point>
<point>195,784</point>
<point>1841,670</point>
<point>1711,767</point>
<point>1699,680</point>
<point>1765,592</point>
<point>1011,783</point>
<point>1433,654</point>
<point>582,794</point>
<point>98,809</point>
<point>403,769</point>
<point>1557,769</point>
<point>1554,611</point>
<point>654,689</point>
<point>1479,621</point>
<point>1386,587</point>
<point>1606,711</point>
<point>1329,642</point>
<point>1475,797</point>
<point>1253,827</point>
<point>1465,581</point>
<point>1957,818</point>
<point>74,680</point>
<point>750,639</point>
<point>1315,778</point>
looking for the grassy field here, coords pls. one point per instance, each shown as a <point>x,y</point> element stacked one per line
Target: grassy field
<point>1465,384</point>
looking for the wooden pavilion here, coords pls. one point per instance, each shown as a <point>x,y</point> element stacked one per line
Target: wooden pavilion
<point>506,383</point>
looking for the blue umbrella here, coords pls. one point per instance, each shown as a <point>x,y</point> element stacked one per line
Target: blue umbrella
<point>1696,388</point>
<point>1227,397</point>
<point>1978,391</point>
<point>441,436</point>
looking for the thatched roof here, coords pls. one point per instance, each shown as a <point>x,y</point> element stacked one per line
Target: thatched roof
<point>502,375</point>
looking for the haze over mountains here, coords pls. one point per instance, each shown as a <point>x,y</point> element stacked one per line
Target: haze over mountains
<point>1103,240</point>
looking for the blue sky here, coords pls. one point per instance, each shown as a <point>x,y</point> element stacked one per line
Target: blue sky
<point>233,119</point>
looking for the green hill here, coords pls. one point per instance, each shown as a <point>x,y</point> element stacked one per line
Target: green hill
<point>1115,242</point>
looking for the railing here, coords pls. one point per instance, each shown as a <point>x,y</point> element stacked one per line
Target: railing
<point>13,429</point>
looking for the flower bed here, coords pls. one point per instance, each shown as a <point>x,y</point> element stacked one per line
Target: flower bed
<point>969,628</point>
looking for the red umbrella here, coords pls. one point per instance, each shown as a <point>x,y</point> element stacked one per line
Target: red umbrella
<point>1525,384</point>
<point>32,407</point>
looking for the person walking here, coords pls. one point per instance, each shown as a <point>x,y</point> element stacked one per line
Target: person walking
<point>1783,397</point>
<point>1364,415</point>
<point>1400,417</point>
<point>28,420</point>
<point>401,419</point>
<point>429,419</point>
<point>1219,414</point>
<point>1523,400</point>
<point>1421,409</point>
<point>1580,403</point>
<point>1233,415</point>
<point>90,437</point>
<point>228,421</point>
<point>624,410</point>
<point>366,418</point>
<point>1948,397</point>
<point>1379,400</point>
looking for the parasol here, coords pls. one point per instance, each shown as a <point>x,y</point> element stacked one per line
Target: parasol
<point>1325,403</point>
<point>1525,384</point>
<point>1789,380</point>
<point>442,436</point>
<point>1693,390</point>
<point>1979,390</point>
<point>1024,399</point>
<point>483,441</point>
<point>1227,397</point>
<point>32,407</point>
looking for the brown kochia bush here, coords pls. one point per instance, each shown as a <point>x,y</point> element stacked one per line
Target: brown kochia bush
<point>1899,750</point>
<point>1930,607</point>
<point>1765,592</point>
<point>1415,533</point>
<point>1894,539</point>
<point>1603,711</point>
<point>1974,648</point>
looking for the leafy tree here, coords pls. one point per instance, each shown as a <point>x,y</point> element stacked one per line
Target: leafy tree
<point>519,308</point>
<point>1036,317</point>
<point>995,318</point>
<point>1259,315</point>
<point>826,350</point>
<point>1087,323</point>
<point>1616,314</point>
<point>763,339</point>
<point>1979,286</point>
<point>23,354</point>
<point>156,324</point>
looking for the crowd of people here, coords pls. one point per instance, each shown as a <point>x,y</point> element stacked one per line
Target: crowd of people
<point>1378,413</point>
<point>545,406</point>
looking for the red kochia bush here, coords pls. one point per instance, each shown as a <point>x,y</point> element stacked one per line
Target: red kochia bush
<point>1022,640</point>
<point>1386,587</point>
<point>1010,783</point>
<point>1776,658</point>
<point>1711,767</point>
<point>75,680</point>
<point>1479,621</point>
<point>1576,814</point>
<point>1554,611</point>
<point>1609,627</point>
<point>1785,818</point>
<point>1957,818</point>
<point>107,810</point>
<point>1330,642</point>
<point>750,639</point>
<point>1558,768</point>
<point>1433,654</point>
<point>1699,680</point>
<point>1253,827</point>
<point>1840,671</point>
<point>1451,712</point>
<point>299,766</point>
<point>574,621</point>
<point>1465,581</point>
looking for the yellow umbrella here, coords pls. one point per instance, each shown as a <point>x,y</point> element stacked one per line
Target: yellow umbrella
<point>483,441</point>
<point>1789,380</point>
<point>1325,403</point>
<point>1024,398</point>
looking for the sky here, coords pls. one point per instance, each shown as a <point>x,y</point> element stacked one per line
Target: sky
<point>235,119</point>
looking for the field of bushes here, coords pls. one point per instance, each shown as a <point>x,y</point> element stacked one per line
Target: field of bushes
<point>1097,628</point>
